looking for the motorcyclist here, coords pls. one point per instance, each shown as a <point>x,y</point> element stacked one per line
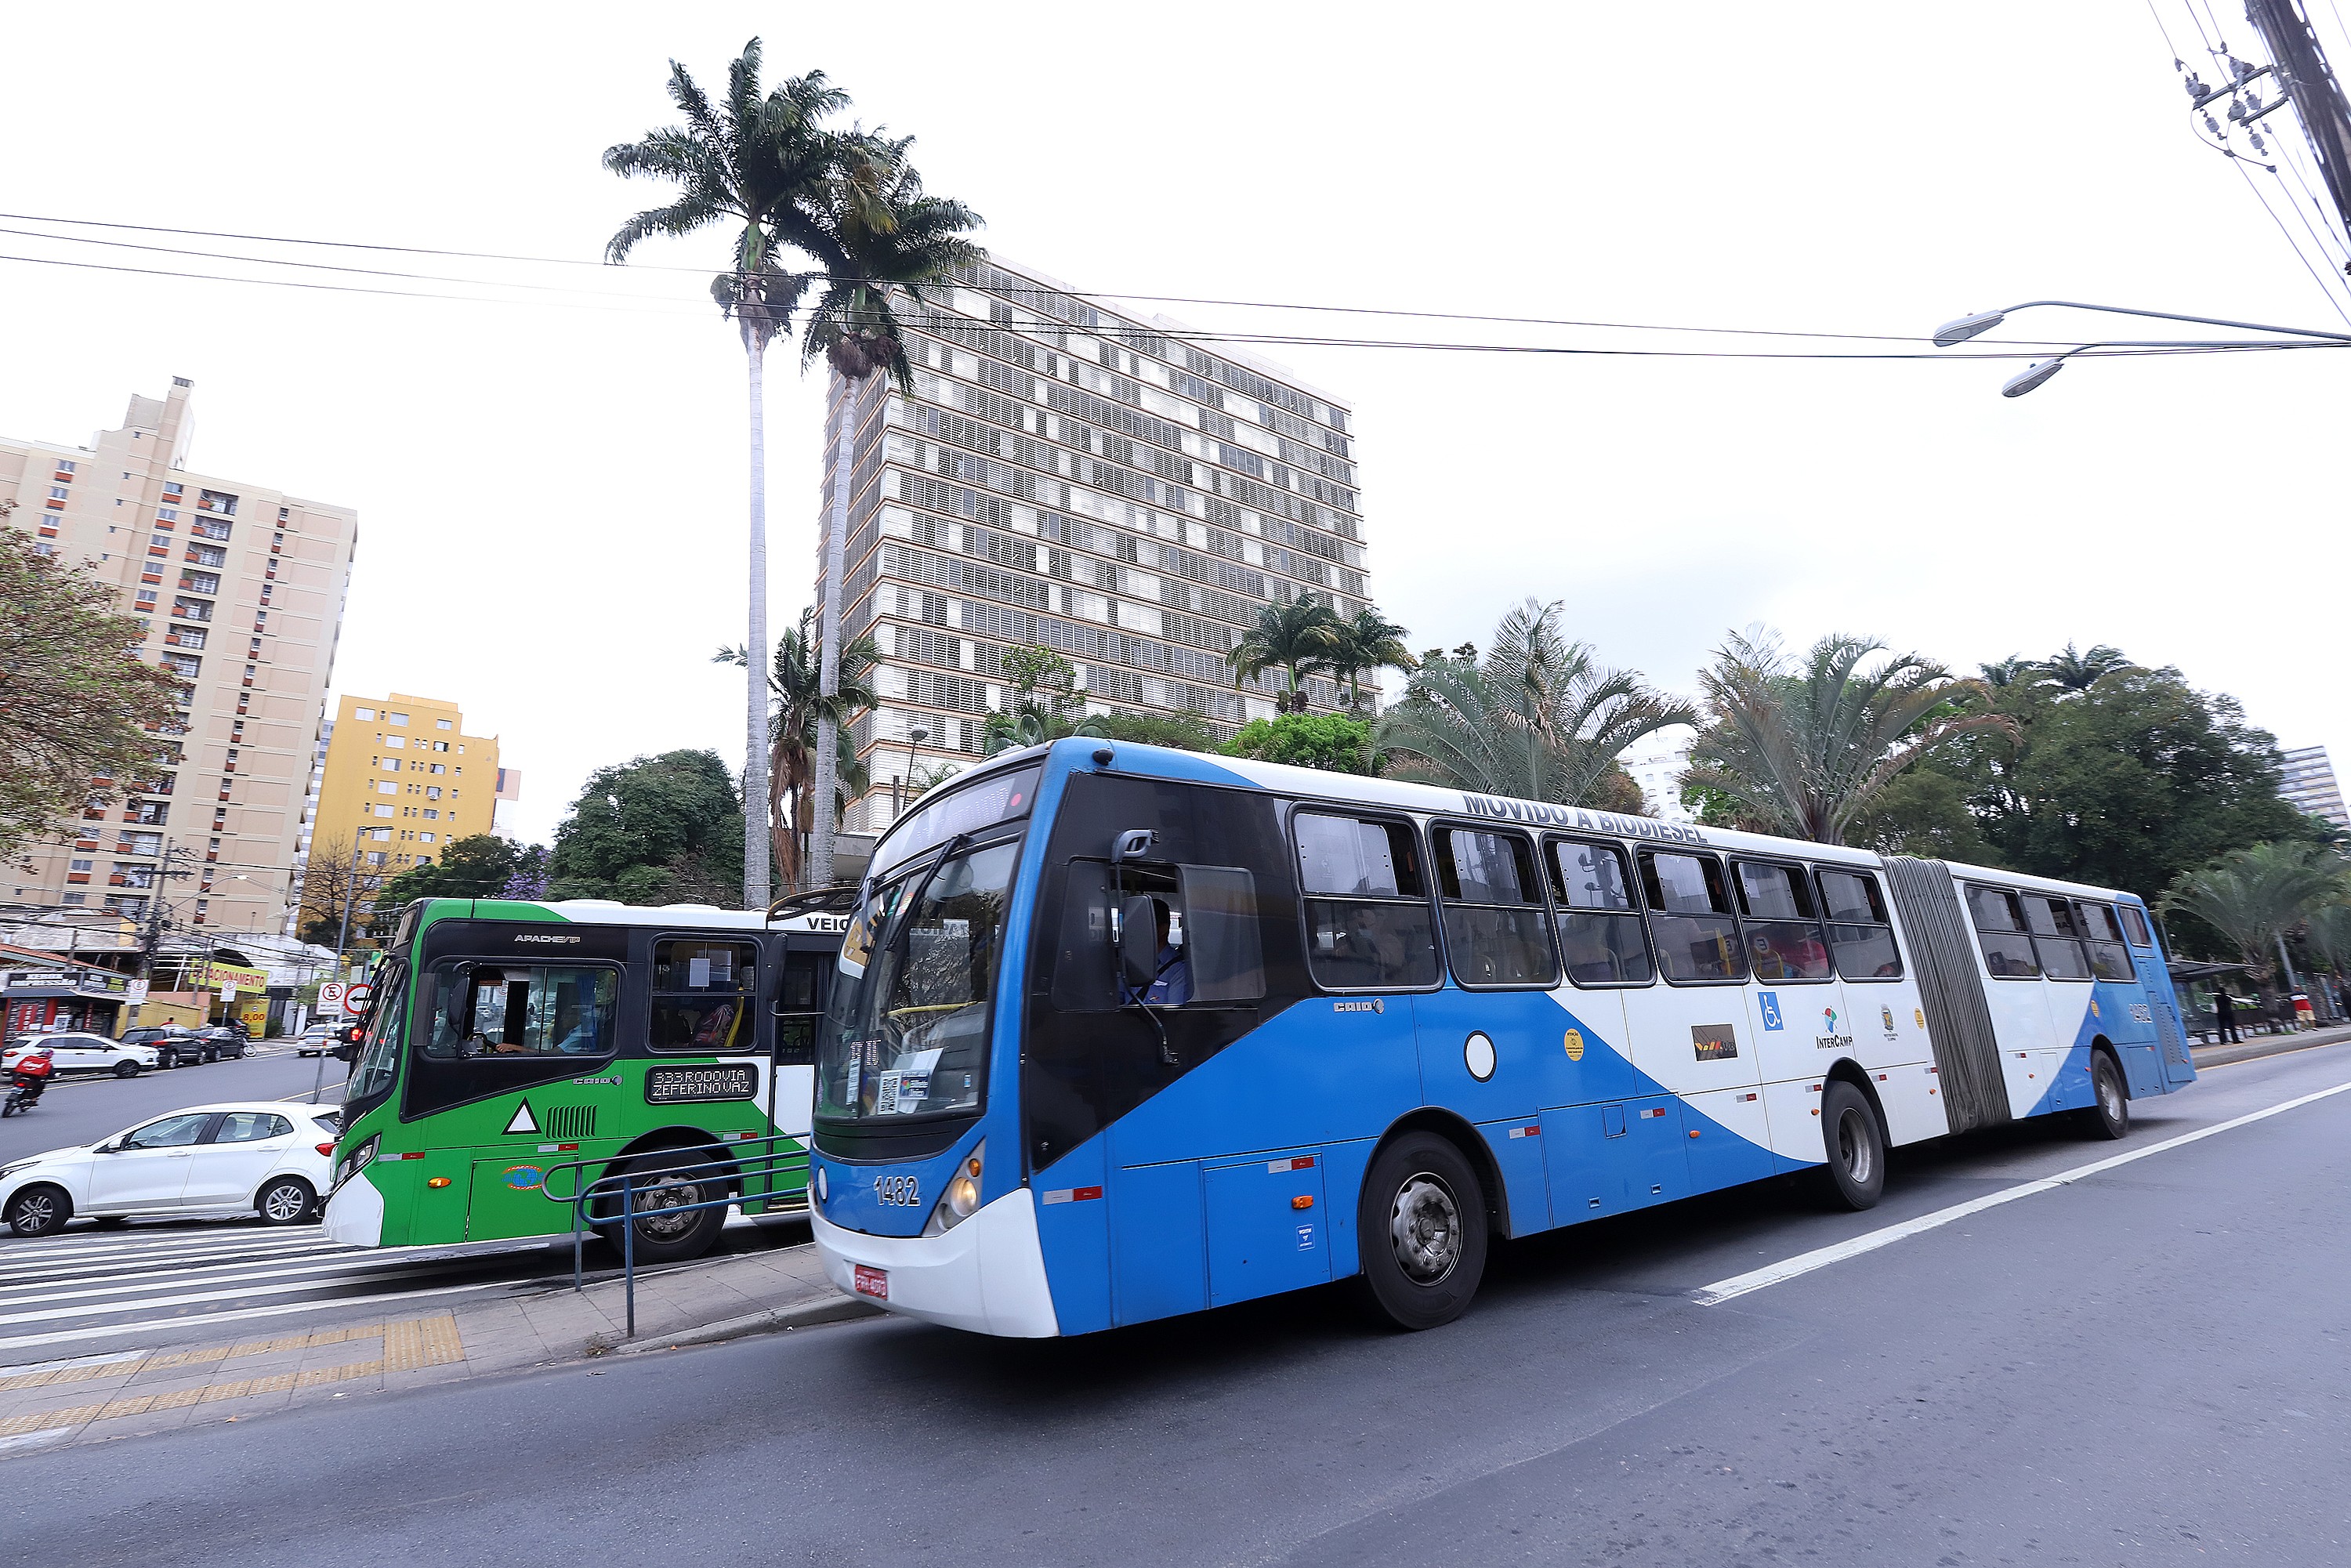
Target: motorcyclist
<point>31,1074</point>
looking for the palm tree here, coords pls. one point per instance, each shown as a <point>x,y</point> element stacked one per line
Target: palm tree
<point>1536,718</point>
<point>797,704</point>
<point>2255,898</point>
<point>766,165</point>
<point>1806,749</point>
<point>893,238</point>
<point>1369,641</point>
<point>1303,637</point>
<point>2078,671</point>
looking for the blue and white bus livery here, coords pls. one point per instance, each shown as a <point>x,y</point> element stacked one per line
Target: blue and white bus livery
<point>1122,1032</point>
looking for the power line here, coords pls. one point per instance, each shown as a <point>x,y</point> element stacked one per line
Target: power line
<point>326,287</point>
<point>1035,289</point>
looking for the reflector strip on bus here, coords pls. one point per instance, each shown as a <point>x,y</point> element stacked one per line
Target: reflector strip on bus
<point>1073,1194</point>
<point>1654,1111</point>
<point>1295,1162</point>
<point>1526,1132</point>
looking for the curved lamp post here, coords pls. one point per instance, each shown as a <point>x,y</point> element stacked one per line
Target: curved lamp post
<point>1961,328</point>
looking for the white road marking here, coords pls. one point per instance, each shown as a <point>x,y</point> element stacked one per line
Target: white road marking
<point>1723,1290</point>
<point>63,1262</point>
<point>100,1308</point>
<point>67,1336</point>
<point>336,1269</point>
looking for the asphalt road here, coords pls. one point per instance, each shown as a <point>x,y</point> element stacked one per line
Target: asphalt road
<point>83,1109</point>
<point>2143,1366</point>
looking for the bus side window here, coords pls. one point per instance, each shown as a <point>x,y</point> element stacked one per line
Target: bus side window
<point>1367,917</point>
<point>1495,926</point>
<point>1221,941</point>
<point>1785,939</point>
<point>702,995</point>
<point>2135,924</point>
<point>1859,932</point>
<point>1599,928</point>
<point>1698,940</point>
<point>2103,937</point>
<point>1999,929</point>
<point>2056,937</point>
<point>799,996</point>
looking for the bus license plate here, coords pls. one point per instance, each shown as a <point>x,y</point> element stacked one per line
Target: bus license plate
<point>873,1282</point>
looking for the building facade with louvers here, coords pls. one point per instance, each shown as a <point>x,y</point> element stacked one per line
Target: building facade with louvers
<point>1068,476</point>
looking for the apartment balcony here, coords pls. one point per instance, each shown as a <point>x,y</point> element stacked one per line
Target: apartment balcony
<point>77,877</point>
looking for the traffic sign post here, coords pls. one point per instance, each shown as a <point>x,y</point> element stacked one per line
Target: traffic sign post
<point>330,997</point>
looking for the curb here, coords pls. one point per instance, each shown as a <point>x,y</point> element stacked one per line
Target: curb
<point>806,1314</point>
<point>2276,1045</point>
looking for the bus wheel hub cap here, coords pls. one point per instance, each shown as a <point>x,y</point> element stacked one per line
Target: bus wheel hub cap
<point>1425,1226</point>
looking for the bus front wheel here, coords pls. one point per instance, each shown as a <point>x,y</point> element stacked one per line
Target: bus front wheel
<point>1422,1232</point>
<point>665,1185</point>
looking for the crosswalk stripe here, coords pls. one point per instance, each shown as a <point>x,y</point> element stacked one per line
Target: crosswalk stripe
<point>71,1336</point>
<point>191,1298</point>
<point>128,1268</point>
<point>134,1261</point>
<point>355,1269</point>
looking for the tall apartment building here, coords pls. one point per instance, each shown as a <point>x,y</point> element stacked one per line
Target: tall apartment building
<point>401,781</point>
<point>1068,476</point>
<point>1657,768</point>
<point>239,587</point>
<point>2309,785</point>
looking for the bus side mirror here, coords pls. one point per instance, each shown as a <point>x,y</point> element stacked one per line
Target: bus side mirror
<point>1138,954</point>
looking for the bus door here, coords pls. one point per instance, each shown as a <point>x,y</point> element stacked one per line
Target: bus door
<point>803,986</point>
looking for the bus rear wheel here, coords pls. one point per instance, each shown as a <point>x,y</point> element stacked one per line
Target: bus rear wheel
<point>1421,1229</point>
<point>2109,1113</point>
<point>1857,1150</point>
<point>665,1185</point>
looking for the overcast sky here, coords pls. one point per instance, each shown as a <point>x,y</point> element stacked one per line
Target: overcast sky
<point>551,499</point>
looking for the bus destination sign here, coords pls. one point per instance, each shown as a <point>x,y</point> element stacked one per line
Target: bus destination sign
<point>682,1085</point>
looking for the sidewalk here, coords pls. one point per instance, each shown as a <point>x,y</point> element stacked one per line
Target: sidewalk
<point>125,1393</point>
<point>2260,1045</point>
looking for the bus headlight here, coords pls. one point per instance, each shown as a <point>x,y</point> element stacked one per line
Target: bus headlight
<point>821,1195</point>
<point>359,1159</point>
<point>962,1198</point>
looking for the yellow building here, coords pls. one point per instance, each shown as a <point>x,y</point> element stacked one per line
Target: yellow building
<point>401,781</point>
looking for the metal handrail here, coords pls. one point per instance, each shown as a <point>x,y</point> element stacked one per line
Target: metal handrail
<point>628,1184</point>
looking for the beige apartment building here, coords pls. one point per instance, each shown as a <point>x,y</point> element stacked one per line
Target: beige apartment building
<point>401,781</point>
<point>240,589</point>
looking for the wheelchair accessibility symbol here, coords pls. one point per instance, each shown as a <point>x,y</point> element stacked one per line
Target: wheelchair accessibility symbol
<point>1771,1001</point>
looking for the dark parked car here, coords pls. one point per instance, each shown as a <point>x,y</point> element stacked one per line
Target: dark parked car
<point>174,1045</point>
<point>222,1039</point>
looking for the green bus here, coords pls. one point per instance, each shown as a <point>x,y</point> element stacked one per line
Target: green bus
<point>506,1040</point>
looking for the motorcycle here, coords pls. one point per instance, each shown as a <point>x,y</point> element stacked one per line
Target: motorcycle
<point>23,1091</point>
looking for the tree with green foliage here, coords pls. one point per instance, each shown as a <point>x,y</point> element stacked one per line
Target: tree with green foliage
<point>1300,637</point>
<point>79,712</point>
<point>482,866</point>
<point>1804,748</point>
<point>658,830</point>
<point>1368,643</point>
<point>1041,703</point>
<point>1536,718</point>
<point>2125,778</point>
<point>1330,741</point>
<point>797,709</point>
<point>2257,898</point>
<point>1178,732</point>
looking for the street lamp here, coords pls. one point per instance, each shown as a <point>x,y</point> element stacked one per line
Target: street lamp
<point>1961,328</point>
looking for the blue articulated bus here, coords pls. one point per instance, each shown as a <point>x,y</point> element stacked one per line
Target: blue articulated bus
<point>1120,1032</point>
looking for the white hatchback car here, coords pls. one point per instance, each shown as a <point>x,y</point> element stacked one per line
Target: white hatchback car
<point>78,1053</point>
<point>264,1156</point>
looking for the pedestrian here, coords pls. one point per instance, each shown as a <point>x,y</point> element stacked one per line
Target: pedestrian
<point>2224,1018</point>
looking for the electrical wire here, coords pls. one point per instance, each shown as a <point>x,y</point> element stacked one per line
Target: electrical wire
<point>1007,289</point>
<point>2317,277</point>
<point>317,265</point>
<point>326,287</point>
<point>2169,48</point>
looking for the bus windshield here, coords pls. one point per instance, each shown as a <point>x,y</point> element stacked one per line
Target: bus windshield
<point>907,1031</point>
<point>379,1060</point>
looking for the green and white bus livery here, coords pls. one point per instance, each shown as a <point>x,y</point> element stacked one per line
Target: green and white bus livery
<point>506,1040</point>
